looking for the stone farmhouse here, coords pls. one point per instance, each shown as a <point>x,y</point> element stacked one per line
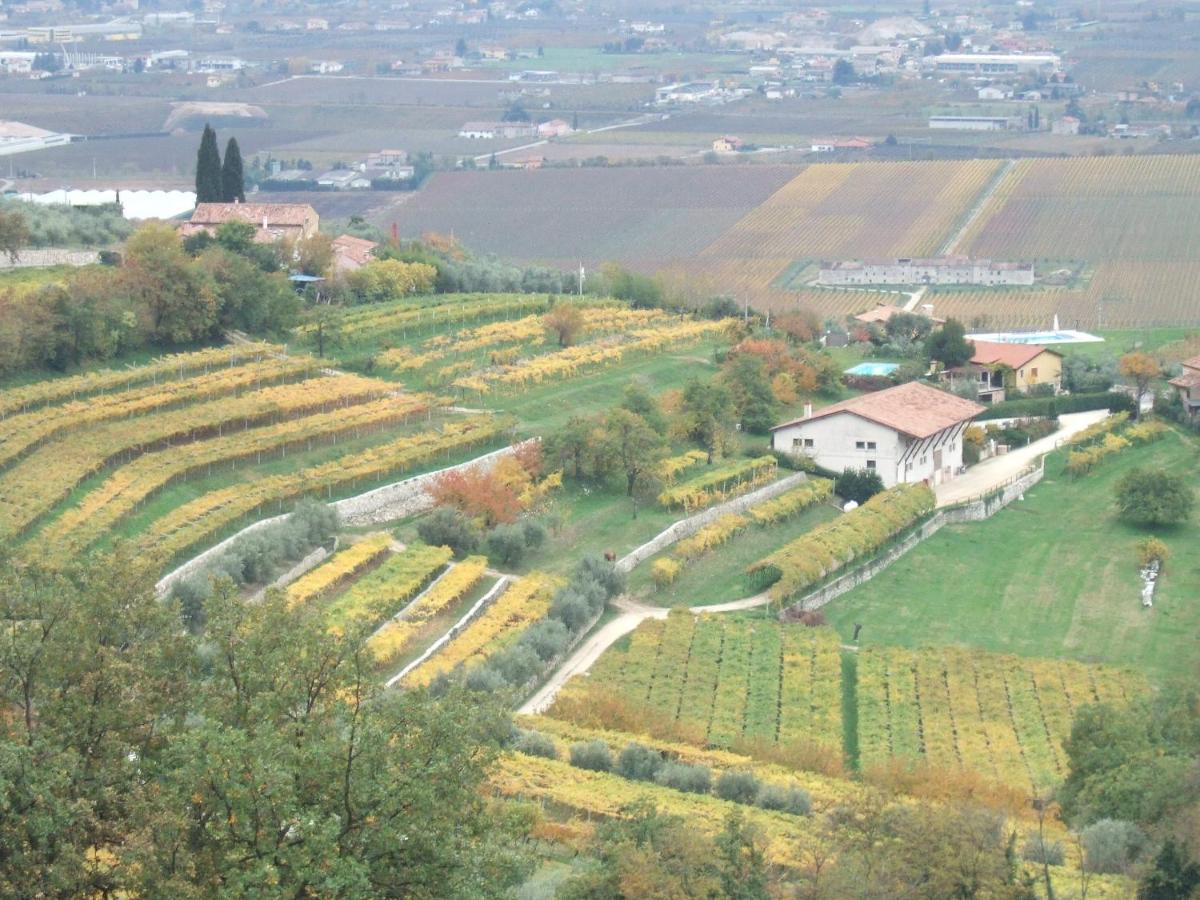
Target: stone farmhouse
<point>909,433</point>
<point>937,270</point>
<point>272,221</point>
<point>1187,384</point>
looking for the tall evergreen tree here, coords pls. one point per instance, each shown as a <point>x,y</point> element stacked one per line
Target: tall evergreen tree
<point>208,169</point>
<point>233,178</point>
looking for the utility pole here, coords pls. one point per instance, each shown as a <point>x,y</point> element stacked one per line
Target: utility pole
<point>581,276</point>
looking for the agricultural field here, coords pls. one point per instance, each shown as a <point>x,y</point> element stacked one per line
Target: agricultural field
<point>1005,717</point>
<point>720,681</point>
<point>178,453</point>
<point>638,216</point>
<point>981,584</point>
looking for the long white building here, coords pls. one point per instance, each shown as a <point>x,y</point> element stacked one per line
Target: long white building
<point>994,63</point>
<point>937,270</point>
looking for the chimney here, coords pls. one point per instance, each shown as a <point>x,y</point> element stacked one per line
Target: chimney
<point>808,410</point>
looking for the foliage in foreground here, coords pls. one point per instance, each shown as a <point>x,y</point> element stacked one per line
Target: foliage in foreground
<point>261,759</point>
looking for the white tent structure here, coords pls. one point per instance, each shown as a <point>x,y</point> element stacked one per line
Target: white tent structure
<point>134,204</point>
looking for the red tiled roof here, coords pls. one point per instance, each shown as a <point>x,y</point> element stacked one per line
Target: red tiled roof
<point>1193,363</point>
<point>355,248</point>
<point>1187,381</point>
<point>1014,356</point>
<point>291,214</point>
<point>915,409</point>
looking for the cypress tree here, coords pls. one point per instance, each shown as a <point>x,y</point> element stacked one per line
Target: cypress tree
<point>233,179</point>
<point>208,169</point>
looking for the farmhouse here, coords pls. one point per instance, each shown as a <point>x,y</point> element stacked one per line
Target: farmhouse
<point>936,270</point>
<point>350,253</point>
<point>834,144</point>
<point>912,432</point>
<point>554,128</point>
<point>996,368</point>
<point>884,312</point>
<point>1065,125</point>
<point>727,144</point>
<point>274,221</point>
<point>1187,383</point>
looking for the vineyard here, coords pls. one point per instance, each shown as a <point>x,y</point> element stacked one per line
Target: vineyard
<point>1003,716</point>
<point>720,681</point>
<point>521,603</point>
<point>178,451</point>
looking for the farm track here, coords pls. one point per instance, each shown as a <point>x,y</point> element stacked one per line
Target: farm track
<point>976,210</point>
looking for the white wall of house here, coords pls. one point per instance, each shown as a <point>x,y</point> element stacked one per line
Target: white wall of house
<point>846,441</point>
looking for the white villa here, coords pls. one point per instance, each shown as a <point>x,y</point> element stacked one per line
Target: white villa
<point>908,433</point>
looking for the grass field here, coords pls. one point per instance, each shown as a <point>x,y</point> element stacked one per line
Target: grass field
<point>1053,575</point>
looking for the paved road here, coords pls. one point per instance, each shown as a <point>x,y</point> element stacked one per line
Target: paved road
<point>992,473</point>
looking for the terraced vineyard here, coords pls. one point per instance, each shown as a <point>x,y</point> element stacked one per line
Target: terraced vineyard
<point>1003,716</point>
<point>254,428</point>
<point>721,681</point>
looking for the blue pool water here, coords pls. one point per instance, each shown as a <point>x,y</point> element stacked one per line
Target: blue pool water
<point>869,368</point>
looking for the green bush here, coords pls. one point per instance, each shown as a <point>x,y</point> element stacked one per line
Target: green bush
<point>534,743</point>
<point>639,763</point>
<point>682,777</point>
<point>1111,846</point>
<point>446,527</point>
<point>506,545</point>
<point>592,755</point>
<point>859,485</point>
<point>740,787</point>
<point>1036,850</point>
<point>792,800</point>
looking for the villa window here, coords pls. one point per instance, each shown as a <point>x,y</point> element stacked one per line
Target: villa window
<point>870,464</point>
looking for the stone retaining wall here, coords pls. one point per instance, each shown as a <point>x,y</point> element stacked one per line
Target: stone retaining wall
<point>971,511</point>
<point>41,257</point>
<point>689,526</point>
<point>384,504</point>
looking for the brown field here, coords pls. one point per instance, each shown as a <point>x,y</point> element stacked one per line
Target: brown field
<point>564,216</point>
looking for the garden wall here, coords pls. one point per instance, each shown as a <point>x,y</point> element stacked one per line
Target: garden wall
<point>971,511</point>
<point>384,504</point>
<point>689,526</point>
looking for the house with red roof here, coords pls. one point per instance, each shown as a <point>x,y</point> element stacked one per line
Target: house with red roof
<point>1187,383</point>
<point>909,433</point>
<point>272,221</point>
<point>997,369</point>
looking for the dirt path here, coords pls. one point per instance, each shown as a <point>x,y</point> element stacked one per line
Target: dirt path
<point>976,210</point>
<point>991,473</point>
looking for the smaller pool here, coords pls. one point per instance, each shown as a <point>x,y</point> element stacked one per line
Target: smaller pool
<point>870,368</point>
<point>1061,336</point>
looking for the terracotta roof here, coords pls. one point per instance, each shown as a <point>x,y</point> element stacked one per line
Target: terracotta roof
<point>1187,380</point>
<point>1193,363</point>
<point>915,409</point>
<point>1014,356</point>
<point>355,248</point>
<point>885,312</point>
<point>294,214</point>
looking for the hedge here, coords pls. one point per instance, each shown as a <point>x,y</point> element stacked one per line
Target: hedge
<point>806,560</point>
<point>1057,406</point>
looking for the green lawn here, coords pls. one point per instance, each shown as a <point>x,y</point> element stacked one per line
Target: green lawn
<point>1053,575</point>
<point>719,576</point>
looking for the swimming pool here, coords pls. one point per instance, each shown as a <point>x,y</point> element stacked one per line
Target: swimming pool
<point>1061,336</point>
<point>870,368</point>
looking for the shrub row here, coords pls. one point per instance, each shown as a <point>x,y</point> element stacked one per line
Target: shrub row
<point>573,607</point>
<point>1083,460</point>
<point>256,558</point>
<point>1056,406</point>
<point>807,560</point>
<point>640,763</point>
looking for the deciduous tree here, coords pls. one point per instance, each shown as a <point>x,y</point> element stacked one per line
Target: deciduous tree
<point>1140,370</point>
<point>1154,497</point>
<point>565,321</point>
